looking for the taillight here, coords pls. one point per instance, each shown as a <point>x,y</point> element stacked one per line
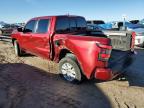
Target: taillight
<point>133,40</point>
<point>105,52</point>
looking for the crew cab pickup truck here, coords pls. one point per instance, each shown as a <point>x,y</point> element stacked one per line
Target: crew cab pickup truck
<point>79,52</point>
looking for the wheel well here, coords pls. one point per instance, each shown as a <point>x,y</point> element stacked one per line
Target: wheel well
<point>13,40</point>
<point>63,53</point>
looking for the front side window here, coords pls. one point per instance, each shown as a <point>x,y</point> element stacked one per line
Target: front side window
<point>42,26</point>
<point>30,26</point>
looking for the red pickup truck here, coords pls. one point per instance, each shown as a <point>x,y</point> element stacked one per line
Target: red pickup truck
<point>79,52</point>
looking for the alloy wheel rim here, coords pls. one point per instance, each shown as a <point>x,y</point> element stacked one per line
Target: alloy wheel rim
<point>68,71</point>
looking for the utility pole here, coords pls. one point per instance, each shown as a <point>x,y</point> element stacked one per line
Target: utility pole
<point>124,21</point>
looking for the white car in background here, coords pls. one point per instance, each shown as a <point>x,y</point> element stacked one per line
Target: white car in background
<point>137,28</point>
<point>141,22</point>
<point>139,39</point>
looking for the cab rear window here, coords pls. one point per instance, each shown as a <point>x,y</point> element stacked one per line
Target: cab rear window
<point>70,24</point>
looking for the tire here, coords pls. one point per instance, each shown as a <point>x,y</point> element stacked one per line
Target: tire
<point>70,70</point>
<point>18,51</point>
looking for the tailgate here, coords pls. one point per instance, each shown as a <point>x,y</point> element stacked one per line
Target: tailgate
<point>121,56</point>
<point>120,40</point>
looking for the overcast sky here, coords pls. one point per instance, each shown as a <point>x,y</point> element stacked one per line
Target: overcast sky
<point>12,11</point>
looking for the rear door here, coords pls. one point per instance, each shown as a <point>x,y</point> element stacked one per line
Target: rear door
<point>40,39</point>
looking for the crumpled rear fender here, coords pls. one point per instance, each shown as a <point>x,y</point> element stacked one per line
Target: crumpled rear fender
<point>86,53</point>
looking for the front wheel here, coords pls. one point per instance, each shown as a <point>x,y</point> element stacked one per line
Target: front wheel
<point>70,69</point>
<point>17,49</point>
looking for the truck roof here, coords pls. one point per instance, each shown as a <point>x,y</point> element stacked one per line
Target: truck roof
<point>43,17</point>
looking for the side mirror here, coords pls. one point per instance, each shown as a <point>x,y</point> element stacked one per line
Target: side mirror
<point>27,31</point>
<point>20,29</point>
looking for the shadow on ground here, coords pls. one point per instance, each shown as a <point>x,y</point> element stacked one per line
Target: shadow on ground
<point>24,86</point>
<point>135,73</point>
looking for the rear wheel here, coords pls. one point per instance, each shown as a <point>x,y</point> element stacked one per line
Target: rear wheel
<point>70,69</point>
<point>17,49</point>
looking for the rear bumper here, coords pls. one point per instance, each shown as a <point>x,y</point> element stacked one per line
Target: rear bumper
<point>116,67</point>
<point>106,74</point>
<point>103,74</point>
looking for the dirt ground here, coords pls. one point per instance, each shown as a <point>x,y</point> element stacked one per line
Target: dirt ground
<point>32,82</point>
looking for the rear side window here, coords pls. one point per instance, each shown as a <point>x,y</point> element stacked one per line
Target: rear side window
<point>73,25</point>
<point>30,26</point>
<point>43,26</point>
<point>62,25</point>
<point>81,23</point>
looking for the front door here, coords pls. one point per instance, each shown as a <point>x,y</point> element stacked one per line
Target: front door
<point>25,41</point>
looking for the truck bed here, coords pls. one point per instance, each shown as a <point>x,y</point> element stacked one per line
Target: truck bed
<point>120,40</point>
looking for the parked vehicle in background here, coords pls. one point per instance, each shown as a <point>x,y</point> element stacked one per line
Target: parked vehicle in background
<point>0,29</point>
<point>80,53</point>
<point>1,25</point>
<point>127,26</point>
<point>95,22</point>
<point>19,24</point>
<point>141,22</point>
<point>94,27</point>
<point>7,29</point>
<point>134,21</point>
<point>139,30</point>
